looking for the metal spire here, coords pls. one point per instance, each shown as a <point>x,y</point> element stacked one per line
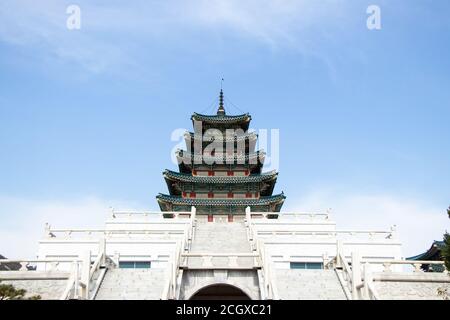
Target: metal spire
<point>221,110</point>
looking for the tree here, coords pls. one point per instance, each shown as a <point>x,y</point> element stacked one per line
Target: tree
<point>445,251</point>
<point>8,292</point>
<point>445,254</point>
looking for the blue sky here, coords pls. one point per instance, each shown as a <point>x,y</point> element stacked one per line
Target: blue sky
<point>86,115</point>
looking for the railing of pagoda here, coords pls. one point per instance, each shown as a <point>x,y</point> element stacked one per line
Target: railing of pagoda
<point>150,214</point>
<point>288,215</point>
<point>334,234</point>
<point>79,272</point>
<point>177,260</point>
<point>416,265</point>
<point>31,264</point>
<point>269,290</point>
<point>358,278</point>
<point>41,269</point>
<point>68,233</point>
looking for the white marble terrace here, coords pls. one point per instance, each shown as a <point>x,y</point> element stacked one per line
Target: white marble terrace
<point>356,264</point>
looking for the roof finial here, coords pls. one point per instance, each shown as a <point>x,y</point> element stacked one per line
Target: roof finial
<point>221,110</point>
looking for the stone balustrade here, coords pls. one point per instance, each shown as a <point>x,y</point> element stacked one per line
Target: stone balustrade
<point>229,261</point>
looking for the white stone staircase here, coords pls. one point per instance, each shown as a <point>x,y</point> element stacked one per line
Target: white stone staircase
<point>132,284</point>
<point>295,284</point>
<point>220,237</point>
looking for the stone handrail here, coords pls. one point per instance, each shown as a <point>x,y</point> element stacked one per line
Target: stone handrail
<point>68,232</point>
<point>269,288</point>
<point>170,287</point>
<point>371,234</point>
<point>324,216</point>
<point>25,263</point>
<point>72,281</point>
<point>415,263</point>
<point>115,213</point>
<point>271,291</point>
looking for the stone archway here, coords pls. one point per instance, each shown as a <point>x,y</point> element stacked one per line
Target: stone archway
<point>220,291</point>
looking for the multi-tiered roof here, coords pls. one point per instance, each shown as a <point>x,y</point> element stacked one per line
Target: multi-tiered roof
<point>220,172</point>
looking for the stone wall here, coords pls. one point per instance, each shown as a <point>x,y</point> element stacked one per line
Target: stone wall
<point>132,284</point>
<point>296,284</point>
<point>48,289</point>
<point>245,280</point>
<point>399,290</point>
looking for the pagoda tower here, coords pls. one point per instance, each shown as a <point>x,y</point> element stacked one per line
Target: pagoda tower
<point>220,172</point>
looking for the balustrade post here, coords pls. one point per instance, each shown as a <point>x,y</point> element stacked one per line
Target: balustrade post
<point>47,232</point>
<point>232,261</point>
<point>23,266</point>
<point>417,267</point>
<point>393,232</point>
<point>325,259</point>
<point>85,274</point>
<point>207,261</point>
<point>193,214</point>
<point>116,258</point>
<point>367,280</point>
<point>356,274</point>
<point>102,250</point>
<point>248,215</point>
<point>339,253</point>
<point>76,282</point>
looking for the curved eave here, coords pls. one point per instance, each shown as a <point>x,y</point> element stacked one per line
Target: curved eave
<point>175,180</point>
<point>434,249</point>
<point>221,119</point>
<point>182,177</point>
<point>263,201</point>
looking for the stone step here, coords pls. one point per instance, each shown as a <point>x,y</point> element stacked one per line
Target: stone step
<point>142,284</point>
<point>308,284</point>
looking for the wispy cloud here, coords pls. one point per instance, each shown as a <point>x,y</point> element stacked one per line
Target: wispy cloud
<point>418,222</point>
<point>23,220</point>
<point>113,35</point>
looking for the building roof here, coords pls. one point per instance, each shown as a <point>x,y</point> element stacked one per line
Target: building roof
<point>431,254</point>
<point>10,266</point>
<point>265,182</point>
<point>221,119</point>
<point>221,202</point>
<point>175,176</point>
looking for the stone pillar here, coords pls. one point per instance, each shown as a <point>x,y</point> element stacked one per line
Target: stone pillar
<point>85,274</point>
<point>367,281</point>
<point>102,250</point>
<point>339,252</point>
<point>356,274</point>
